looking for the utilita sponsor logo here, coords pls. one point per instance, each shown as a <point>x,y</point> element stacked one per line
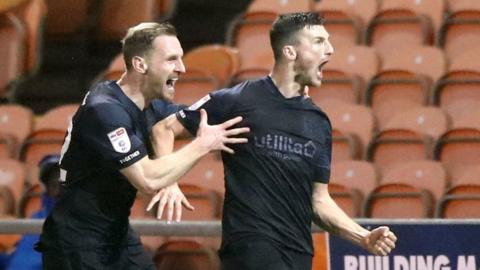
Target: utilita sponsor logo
<point>285,144</point>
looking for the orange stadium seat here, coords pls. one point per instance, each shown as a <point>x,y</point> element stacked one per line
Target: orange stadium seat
<point>116,16</point>
<point>458,5</point>
<point>468,60</point>
<point>250,34</point>
<point>425,60</point>
<point>398,200</point>
<point>249,74</point>
<point>364,9</point>
<point>344,146</point>
<point>344,29</point>
<point>423,174</point>
<point>57,118</point>
<point>206,173</point>
<point>12,51</point>
<point>434,9</point>
<point>460,201</point>
<point>184,254</point>
<point>351,118</point>
<point>457,93</point>
<point>31,201</point>
<point>66,18</point>
<point>139,207</point>
<point>431,121</point>
<point>357,174</point>
<point>348,199</point>
<point>217,60</point>
<point>356,60</point>
<point>13,175</point>
<point>16,123</point>
<point>279,6</point>
<point>469,176</point>
<point>166,9</point>
<point>460,32</point>
<point>391,147</point>
<point>206,202</point>
<point>458,150</point>
<point>337,85</point>
<point>392,29</point>
<point>32,14</point>
<point>193,85</point>
<point>16,120</point>
<point>41,143</point>
<point>395,91</point>
<point>469,119</point>
<point>7,202</point>
<point>8,146</point>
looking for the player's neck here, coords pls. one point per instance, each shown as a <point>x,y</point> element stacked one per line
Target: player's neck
<point>284,79</point>
<point>131,87</point>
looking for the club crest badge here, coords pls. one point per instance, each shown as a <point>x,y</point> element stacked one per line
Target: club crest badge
<point>120,140</point>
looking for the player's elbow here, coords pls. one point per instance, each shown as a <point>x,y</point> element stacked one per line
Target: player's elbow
<point>148,188</point>
<point>149,184</point>
<point>155,180</point>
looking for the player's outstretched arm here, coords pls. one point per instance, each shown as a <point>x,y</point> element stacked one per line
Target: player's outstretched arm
<point>148,176</point>
<point>171,199</point>
<point>330,217</point>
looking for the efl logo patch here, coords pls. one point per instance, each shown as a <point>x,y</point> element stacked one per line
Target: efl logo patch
<point>120,140</point>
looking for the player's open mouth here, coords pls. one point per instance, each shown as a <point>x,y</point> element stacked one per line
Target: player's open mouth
<point>171,82</point>
<point>320,67</point>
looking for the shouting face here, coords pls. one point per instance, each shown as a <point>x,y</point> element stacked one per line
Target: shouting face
<point>164,67</point>
<point>313,51</point>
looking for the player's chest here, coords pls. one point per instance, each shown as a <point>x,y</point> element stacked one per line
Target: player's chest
<point>288,133</point>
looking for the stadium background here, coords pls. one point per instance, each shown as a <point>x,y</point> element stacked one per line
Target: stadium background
<point>402,91</point>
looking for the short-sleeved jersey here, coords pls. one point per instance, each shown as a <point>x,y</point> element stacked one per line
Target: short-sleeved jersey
<point>107,133</point>
<point>269,180</point>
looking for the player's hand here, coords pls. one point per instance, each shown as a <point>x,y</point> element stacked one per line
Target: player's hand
<point>173,199</point>
<point>218,136</point>
<point>380,241</point>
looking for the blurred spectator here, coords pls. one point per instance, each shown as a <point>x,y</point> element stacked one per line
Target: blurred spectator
<point>24,256</point>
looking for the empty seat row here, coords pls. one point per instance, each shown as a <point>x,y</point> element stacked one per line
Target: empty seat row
<point>23,31</point>
<point>400,200</point>
<point>20,129</point>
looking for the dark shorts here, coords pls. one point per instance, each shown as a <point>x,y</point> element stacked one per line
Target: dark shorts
<point>129,257</point>
<point>263,255</point>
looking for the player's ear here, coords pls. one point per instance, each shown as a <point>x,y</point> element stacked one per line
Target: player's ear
<point>139,64</point>
<point>289,52</point>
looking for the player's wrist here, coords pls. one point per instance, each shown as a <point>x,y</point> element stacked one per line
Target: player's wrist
<point>364,236</point>
<point>200,146</point>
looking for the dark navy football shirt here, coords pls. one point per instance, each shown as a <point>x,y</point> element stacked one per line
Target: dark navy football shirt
<point>107,133</point>
<point>269,180</point>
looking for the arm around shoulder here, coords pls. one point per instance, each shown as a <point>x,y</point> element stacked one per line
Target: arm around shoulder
<point>149,175</point>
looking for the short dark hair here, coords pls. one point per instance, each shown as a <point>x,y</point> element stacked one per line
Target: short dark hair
<point>286,26</point>
<point>139,39</point>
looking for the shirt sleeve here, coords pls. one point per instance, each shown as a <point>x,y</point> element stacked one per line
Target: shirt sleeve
<point>110,135</point>
<point>159,110</point>
<point>218,105</point>
<point>323,157</point>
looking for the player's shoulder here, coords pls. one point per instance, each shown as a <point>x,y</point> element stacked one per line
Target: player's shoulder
<point>101,96</point>
<point>102,102</point>
<point>243,89</point>
<point>310,105</point>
